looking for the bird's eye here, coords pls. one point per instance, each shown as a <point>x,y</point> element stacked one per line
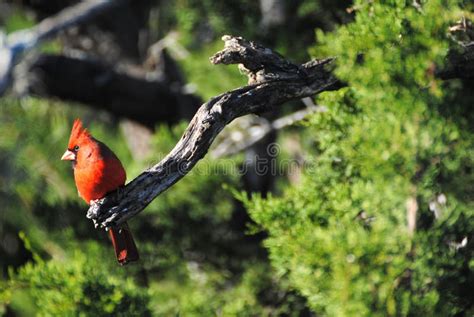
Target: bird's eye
<point>76,148</point>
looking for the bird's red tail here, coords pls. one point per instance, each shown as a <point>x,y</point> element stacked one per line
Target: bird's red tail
<point>125,248</point>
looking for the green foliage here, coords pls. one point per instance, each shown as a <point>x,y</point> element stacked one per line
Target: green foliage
<point>77,286</point>
<point>341,236</point>
<point>201,23</point>
<point>203,20</point>
<point>18,20</point>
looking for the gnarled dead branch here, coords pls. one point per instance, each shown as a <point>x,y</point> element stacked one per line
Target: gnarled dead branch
<point>273,81</point>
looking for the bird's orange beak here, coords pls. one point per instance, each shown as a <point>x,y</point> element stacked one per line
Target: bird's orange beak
<point>68,156</point>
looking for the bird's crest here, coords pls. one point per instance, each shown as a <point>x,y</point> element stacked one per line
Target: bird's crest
<point>78,132</point>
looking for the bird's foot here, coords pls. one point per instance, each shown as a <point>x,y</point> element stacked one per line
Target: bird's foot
<point>101,211</point>
<point>93,212</point>
<point>94,202</point>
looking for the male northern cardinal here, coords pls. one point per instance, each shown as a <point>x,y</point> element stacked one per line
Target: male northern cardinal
<point>97,172</point>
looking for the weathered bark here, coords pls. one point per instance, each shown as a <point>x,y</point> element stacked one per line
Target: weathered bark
<point>274,81</point>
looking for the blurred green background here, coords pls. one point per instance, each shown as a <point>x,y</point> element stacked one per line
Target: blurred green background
<point>328,239</point>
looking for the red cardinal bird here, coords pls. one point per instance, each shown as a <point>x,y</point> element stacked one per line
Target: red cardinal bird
<point>97,172</point>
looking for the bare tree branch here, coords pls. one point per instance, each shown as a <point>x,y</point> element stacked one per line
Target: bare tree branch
<point>79,13</point>
<point>22,41</point>
<point>122,92</point>
<point>274,81</point>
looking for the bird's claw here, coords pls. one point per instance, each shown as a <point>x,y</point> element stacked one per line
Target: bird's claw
<point>103,218</point>
<point>94,206</point>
